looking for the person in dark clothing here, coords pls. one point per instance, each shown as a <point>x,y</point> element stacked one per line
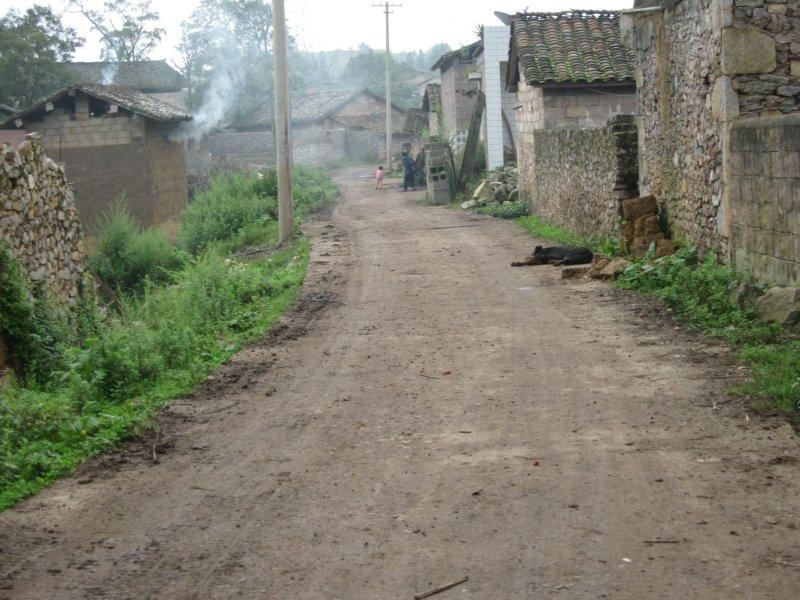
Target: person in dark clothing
<point>410,170</point>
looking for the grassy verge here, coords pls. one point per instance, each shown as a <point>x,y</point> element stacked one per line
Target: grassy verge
<point>700,292</point>
<point>541,228</point>
<point>91,380</point>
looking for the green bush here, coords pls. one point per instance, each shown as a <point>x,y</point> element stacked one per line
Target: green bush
<point>161,344</point>
<point>239,201</point>
<point>32,325</point>
<point>501,211</point>
<point>233,202</point>
<point>125,255</point>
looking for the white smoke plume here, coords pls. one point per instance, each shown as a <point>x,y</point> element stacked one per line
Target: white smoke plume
<point>110,73</point>
<point>220,96</point>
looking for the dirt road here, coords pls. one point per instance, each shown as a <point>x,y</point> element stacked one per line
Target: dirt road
<point>430,414</point>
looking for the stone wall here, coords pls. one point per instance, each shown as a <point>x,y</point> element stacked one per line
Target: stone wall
<point>764,210</point>
<point>761,53</point>
<point>702,66</point>
<point>578,178</point>
<point>38,219</point>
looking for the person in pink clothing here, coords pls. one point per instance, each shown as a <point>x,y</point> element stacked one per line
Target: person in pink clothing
<point>379,178</point>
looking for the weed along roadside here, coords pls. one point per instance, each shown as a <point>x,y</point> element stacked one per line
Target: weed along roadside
<point>91,377</point>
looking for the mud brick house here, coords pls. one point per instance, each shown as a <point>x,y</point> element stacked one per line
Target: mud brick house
<point>576,153</point>
<point>155,78</point>
<point>115,143</point>
<point>719,124</point>
<point>459,91</point>
<point>326,126</point>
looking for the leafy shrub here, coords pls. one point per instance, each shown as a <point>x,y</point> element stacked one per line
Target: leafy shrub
<point>239,201</point>
<point>233,202</point>
<point>125,255</point>
<point>501,211</point>
<point>161,344</point>
<point>31,324</point>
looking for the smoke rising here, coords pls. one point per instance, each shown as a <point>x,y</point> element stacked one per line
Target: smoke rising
<point>220,97</point>
<point>110,73</point>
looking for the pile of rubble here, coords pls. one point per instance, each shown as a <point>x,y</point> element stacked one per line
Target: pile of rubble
<point>641,228</point>
<point>501,186</point>
<point>38,220</point>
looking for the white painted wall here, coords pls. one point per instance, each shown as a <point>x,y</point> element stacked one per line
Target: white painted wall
<point>495,51</point>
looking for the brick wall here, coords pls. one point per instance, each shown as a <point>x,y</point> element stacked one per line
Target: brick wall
<point>169,181</point>
<point>61,132</point>
<point>577,178</point>
<point>764,210</point>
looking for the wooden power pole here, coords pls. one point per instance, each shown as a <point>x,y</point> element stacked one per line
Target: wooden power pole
<point>386,6</point>
<point>283,126</point>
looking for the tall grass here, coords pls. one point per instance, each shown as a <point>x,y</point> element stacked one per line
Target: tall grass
<point>85,381</point>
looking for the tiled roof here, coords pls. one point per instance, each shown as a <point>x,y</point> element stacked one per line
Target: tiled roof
<point>126,98</point>
<point>467,53</point>
<point>574,46</point>
<point>432,100</point>
<point>6,110</point>
<point>310,106</point>
<point>145,75</point>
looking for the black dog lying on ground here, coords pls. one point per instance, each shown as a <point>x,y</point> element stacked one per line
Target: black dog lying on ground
<point>556,255</point>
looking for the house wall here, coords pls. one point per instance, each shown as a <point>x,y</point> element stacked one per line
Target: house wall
<point>578,178</point>
<point>580,107</point>
<point>765,197</point>
<point>114,156</point>
<point>498,133</point>
<point>703,65</point>
<point>459,95</point>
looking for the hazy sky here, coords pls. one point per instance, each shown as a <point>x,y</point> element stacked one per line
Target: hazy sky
<point>329,24</point>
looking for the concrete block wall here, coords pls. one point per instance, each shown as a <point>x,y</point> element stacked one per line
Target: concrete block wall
<point>764,211</point>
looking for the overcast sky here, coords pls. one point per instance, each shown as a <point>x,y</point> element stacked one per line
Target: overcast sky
<point>331,24</point>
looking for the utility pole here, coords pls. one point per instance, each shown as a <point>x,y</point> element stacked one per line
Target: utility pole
<point>283,125</point>
<point>386,6</point>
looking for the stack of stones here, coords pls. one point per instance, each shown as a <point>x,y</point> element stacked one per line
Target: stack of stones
<point>641,228</point>
<point>39,222</point>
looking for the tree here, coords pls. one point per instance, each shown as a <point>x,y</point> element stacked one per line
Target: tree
<point>33,47</point>
<point>228,57</point>
<point>368,69</point>
<point>127,27</point>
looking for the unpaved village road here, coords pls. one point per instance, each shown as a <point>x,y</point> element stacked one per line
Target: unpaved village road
<point>430,413</point>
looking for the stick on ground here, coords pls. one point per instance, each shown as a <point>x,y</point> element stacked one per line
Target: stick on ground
<point>440,589</point>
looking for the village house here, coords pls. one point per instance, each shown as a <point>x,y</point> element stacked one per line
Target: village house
<point>573,79</point>
<point>326,126</point>
<point>459,91</point>
<point>156,78</point>
<point>115,143</point>
<point>719,121</point>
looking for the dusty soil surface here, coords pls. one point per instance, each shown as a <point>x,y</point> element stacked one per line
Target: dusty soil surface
<point>429,413</point>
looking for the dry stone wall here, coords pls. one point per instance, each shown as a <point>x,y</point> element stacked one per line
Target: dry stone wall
<point>677,67</point>
<point>578,178</point>
<point>38,219</point>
